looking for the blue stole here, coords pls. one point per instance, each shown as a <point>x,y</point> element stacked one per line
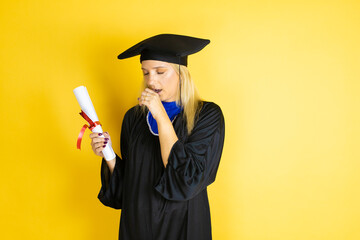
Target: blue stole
<point>172,111</point>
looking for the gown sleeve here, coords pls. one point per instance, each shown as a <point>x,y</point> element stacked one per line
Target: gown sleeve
<point>112,185</point>
<point>192,165</point>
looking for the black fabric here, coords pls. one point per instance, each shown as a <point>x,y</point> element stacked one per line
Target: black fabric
<point>170,48</point>
<point>161,203</point>
<point>162,56</point>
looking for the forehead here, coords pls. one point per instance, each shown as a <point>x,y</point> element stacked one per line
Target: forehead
<point>149,64</point>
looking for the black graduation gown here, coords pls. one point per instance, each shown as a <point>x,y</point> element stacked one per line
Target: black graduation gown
<point>161,203</point>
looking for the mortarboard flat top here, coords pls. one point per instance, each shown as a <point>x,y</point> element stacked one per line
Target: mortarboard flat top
<point>166,47</point>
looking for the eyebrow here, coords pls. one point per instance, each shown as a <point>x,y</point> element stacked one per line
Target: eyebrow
<point>154,67</point>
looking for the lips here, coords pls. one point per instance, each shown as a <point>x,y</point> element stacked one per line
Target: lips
<point>157,90</point>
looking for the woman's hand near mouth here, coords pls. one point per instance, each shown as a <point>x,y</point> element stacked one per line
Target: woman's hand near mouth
<point>151,99</point>
<point>167,135</point>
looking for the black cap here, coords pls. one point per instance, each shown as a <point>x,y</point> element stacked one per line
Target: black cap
<point>170,48</point>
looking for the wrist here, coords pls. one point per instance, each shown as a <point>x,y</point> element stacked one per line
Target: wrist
<point>161,116</point>
<point>163,121</point>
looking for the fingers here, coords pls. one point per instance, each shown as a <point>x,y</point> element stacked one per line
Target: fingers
<point>100,135</point>
<point>148,90</point>
<point>93,135</point>
<point>99,141</point>
<point>146,96</point>
<point>148,93</point>
<point>107,138</point>
<point>143,98</point>
<point>98,148</point>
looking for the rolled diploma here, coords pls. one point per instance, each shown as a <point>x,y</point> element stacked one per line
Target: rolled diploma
<point>87,107</point>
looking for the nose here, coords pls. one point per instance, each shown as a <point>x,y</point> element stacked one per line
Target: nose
<point>151,80</point>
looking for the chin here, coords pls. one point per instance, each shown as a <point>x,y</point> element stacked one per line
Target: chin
<point>164,99</point>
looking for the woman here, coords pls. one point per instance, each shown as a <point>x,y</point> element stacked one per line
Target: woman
<point>171,144</point>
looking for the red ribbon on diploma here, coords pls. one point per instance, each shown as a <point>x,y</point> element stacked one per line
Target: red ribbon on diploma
<point>91,127</point>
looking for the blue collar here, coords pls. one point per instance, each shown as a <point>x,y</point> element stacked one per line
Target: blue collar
<point>172,111</point>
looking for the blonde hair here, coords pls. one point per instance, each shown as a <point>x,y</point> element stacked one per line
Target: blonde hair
<point>189,99</point>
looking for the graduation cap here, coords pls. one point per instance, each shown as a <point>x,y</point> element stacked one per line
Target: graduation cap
<point>170,48</point>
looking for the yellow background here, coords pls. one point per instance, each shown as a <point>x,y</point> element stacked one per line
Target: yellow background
<point>285,73</point>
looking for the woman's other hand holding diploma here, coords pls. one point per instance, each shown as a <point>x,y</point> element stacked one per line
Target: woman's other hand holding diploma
<point>98,143</point>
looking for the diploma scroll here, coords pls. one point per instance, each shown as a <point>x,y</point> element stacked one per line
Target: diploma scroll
<point>88,112</point>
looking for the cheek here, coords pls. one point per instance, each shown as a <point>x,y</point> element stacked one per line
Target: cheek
<point>172,82</point>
